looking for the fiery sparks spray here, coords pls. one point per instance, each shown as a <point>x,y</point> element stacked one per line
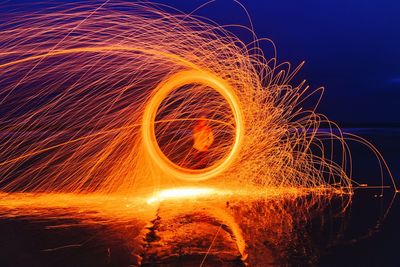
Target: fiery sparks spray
<point>106,100</point>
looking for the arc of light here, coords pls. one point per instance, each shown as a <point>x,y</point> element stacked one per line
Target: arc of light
<point>148,133</point>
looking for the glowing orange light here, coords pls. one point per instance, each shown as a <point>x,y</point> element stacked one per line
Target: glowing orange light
<point>149,137</point>
<point>184,192</point>
<point>202,136</point>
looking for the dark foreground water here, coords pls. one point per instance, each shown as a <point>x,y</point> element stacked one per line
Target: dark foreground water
<point>213,232</point>
<point>361,244</point>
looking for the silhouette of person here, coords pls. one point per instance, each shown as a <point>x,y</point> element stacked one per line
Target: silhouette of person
<point>203,138</point>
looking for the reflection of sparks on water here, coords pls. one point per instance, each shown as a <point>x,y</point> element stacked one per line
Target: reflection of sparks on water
<point>182,216</point>
<point>182,193</point>
<point>121,205</point>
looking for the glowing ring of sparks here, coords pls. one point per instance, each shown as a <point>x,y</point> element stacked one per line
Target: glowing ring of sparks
<point>148,133</point>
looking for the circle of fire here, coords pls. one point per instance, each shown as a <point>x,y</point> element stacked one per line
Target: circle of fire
<point>149,116</point>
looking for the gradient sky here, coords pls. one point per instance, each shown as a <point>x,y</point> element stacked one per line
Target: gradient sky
<point>352,48</point>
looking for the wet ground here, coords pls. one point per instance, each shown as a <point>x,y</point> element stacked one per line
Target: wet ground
<point>206,232</point>
<point>223,231</point>
<point>210,230</point>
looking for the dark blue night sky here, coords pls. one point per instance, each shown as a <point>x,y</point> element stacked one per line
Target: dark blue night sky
<point>352,48</point>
